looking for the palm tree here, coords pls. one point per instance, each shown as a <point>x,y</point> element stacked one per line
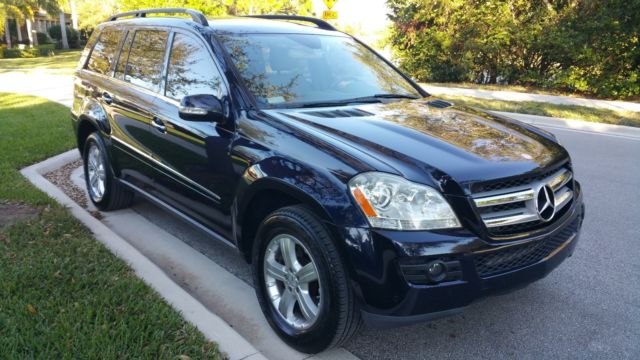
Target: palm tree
<point>63,31</point>
<point>26,9</point>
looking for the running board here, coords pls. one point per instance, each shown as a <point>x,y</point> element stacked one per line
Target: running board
<point>178,213</point>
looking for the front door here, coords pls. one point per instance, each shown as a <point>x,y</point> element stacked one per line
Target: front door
<point>193,154</point>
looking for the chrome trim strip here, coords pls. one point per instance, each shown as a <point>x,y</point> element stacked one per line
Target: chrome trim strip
<point>201,188</point>
<point>510,220</point>
<point>563,198</point>
<point>178,213</point>
<point>504,198</point>
<point>558,181</point>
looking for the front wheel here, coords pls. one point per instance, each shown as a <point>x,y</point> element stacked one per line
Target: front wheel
<point>104,190</point>
<point>301,281</point>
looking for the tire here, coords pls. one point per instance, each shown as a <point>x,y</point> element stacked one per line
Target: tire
<point>111,195</point>
<point>337,317</point>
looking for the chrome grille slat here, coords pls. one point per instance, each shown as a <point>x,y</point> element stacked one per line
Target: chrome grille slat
<point>524,197</point>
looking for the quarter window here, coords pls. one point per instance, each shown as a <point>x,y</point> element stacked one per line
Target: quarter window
<point>191,70</point>
<point>124,56</point>
<point>144,67</point>
<point>104,52</point>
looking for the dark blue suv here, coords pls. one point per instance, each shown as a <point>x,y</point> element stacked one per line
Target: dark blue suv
<point>354,194</point>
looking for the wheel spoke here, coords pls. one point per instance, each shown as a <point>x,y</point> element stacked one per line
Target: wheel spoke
<point>307,273</point>
<point>93,180</point>
<point>288,251</point>
<point>287,301</point>
<point>306,304</point>
<point>277,271</point>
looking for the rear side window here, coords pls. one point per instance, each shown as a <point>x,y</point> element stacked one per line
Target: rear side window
<point>144,66</point>
<point>104,53</point>
<point>191,70</point>
<point>124,56</point>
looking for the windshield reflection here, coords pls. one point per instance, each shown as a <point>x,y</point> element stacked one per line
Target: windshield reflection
<point>286,69</point>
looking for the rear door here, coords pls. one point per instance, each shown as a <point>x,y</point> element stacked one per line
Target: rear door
<point>138,76</point>
<point>194,153</point>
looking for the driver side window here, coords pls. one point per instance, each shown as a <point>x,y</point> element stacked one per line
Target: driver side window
<point>191,70</point>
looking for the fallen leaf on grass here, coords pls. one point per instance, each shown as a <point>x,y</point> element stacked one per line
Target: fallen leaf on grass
<point>184,357</point>
<point>31,309</point>
<point>57,273</point>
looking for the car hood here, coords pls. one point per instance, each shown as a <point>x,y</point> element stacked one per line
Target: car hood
<point>417,139</point>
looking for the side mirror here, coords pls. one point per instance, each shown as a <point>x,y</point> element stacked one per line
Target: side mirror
<point>202,108</point>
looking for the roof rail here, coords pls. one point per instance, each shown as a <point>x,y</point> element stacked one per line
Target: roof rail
<point>318,22</point>
<point>197,16</point>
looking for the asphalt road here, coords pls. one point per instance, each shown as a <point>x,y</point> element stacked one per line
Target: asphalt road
<point>588,308</point>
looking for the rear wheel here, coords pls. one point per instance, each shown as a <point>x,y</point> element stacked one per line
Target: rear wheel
<point>301,281</point>
<point>104,191</point>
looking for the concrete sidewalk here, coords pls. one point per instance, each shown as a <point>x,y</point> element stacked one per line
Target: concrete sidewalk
<point>521,96</point>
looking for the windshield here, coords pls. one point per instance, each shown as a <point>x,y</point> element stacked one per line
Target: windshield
<point>283,70</point>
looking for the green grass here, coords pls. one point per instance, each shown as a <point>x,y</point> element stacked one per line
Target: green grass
<point>63,295</point>
<point>64,62</point>
<point>584,113</point>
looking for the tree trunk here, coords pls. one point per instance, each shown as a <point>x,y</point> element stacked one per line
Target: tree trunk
<point>7,34</point>
<point>18,31</point>
<point>30,33</point>
<point>74,14</point>
<point>63,31</point>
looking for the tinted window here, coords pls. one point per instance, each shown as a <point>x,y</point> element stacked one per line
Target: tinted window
<point>282,69</point>
<point>191,69</point>
<point>144,67</point>
<point>124,56</point>
<point>105,51</point>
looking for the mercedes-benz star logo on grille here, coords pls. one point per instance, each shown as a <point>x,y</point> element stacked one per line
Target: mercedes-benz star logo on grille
<point>546,203</point>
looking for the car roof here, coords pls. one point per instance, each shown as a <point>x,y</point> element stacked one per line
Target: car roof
<point>229,25</point>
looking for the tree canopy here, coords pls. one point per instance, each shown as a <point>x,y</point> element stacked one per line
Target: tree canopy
<point>579,45</point>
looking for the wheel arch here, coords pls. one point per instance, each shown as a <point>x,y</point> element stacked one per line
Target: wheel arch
<point>278,181</point>
<point>261,198</point>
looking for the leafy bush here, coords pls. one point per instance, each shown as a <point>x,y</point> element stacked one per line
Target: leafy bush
<point>576,45</point>
<point>41,50</point>
<point>72,36</point>
<point>43,39</point>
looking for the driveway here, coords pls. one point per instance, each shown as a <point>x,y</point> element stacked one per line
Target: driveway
<point>588,308</point>
<point>56,88</point>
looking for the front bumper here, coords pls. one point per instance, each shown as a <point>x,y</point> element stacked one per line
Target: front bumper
<point>388,298</point>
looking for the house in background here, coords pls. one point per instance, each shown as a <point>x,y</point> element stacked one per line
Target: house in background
<point>24,31</point>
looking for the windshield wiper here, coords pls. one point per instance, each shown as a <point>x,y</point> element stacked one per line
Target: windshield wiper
<point>362,100</point>
<point>395,96</point>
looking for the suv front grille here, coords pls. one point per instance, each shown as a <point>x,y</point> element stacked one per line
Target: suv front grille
<point>515,257</point>
<point>520,207</point>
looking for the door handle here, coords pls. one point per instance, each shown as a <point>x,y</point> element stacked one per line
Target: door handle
<point>107,98</point>
<point>159,125</point>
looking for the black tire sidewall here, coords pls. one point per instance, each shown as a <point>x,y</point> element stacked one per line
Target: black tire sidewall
<point>321,334</point>
<point>94,138</point>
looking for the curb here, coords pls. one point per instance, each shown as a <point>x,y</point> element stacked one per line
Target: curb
<point>212,326</point>
<point>621,131</point>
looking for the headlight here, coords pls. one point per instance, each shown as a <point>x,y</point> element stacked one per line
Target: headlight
<point>392,202</point>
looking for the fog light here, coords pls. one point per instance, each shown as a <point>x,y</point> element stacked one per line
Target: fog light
<point>436,271</point>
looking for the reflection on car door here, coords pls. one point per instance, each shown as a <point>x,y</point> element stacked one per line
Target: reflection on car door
<point>140,64</point>
<point>195,152</point>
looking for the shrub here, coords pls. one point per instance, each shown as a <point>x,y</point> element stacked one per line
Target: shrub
<point>42,50</point>
<point>577,45</point>
<point>43,38</point>
<point>72,36</point>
